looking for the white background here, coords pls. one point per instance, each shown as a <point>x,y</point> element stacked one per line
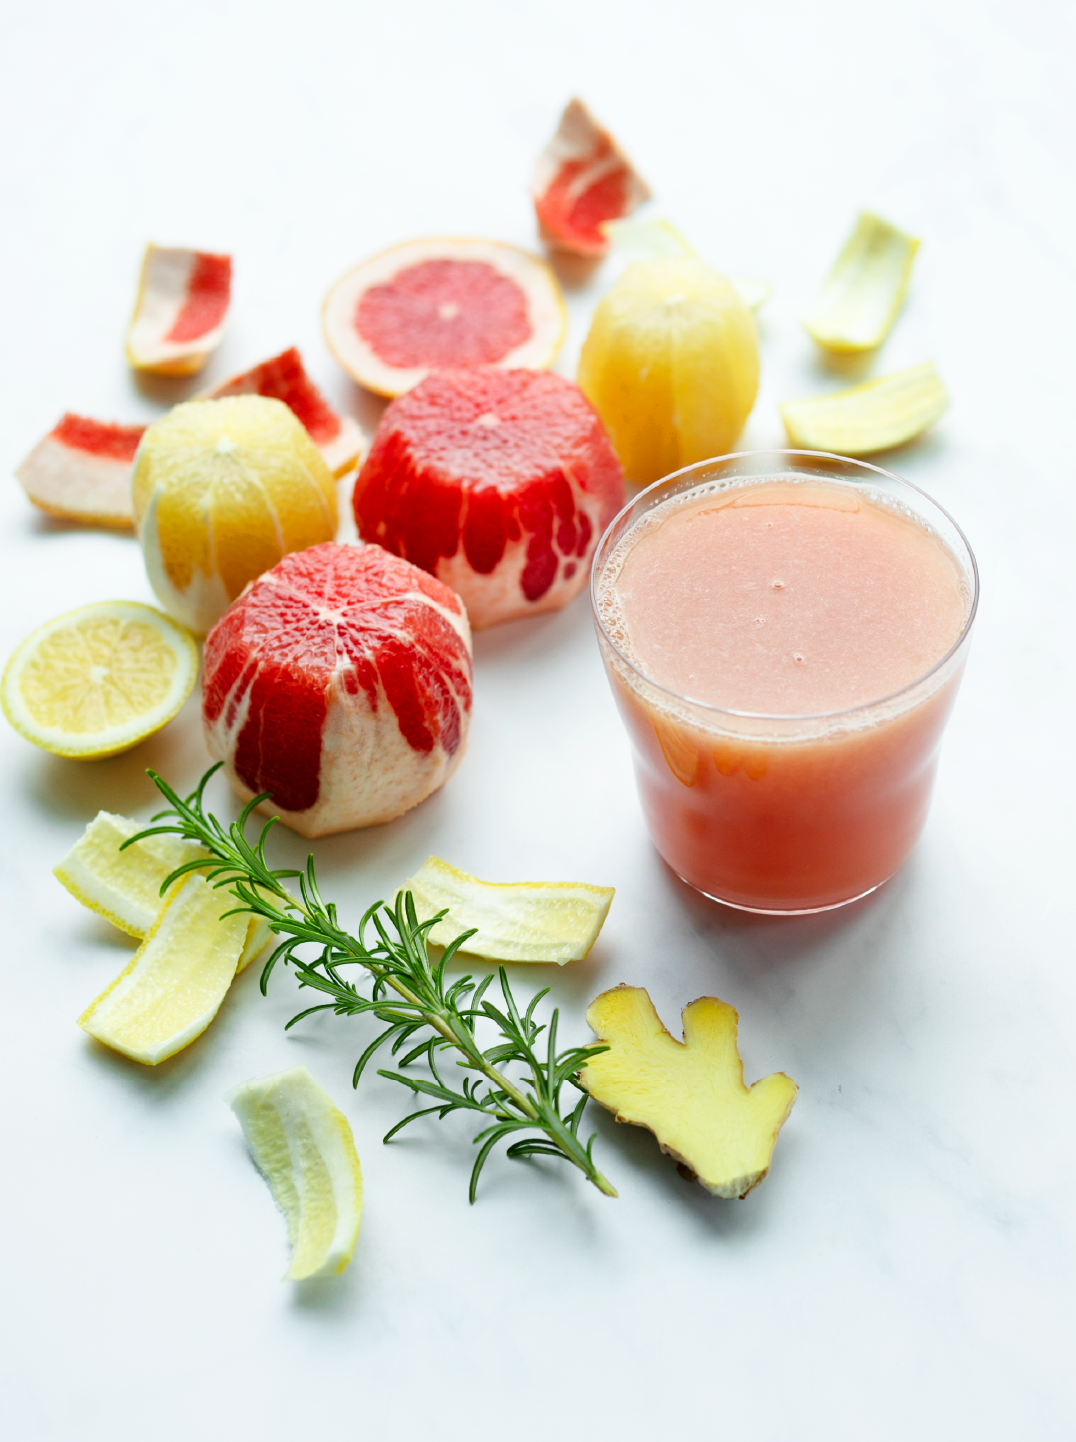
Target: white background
<point>907,1269</point>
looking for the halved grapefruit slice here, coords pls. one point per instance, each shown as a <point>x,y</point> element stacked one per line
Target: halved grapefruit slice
<point>438,304</point>
<point>179,315</point>
<point>283,378</point>
<point>498,482</point>
<point>583,179</point>
<point>340,682</point>
<point>81,471</point>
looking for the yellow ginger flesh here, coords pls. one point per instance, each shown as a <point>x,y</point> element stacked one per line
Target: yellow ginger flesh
<point>690,1094</point>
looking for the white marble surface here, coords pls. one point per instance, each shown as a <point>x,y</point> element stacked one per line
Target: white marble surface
<point>907,1268</point>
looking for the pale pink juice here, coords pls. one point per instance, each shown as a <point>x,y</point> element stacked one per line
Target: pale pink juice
<point>786,685</point>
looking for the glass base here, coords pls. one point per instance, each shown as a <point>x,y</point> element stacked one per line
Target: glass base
<point>782,910</point>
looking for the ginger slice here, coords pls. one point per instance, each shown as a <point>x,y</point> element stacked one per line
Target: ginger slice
<point>583,180</point>
<point>690,1094</point>
<point>81,471</point>
<point>874,417</point>
<point>283,378</point>
<point>856,307</point>
<point>179,315</point>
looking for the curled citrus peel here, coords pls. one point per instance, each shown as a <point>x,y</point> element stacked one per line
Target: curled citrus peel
<point>303,1147</point>
<point>179,314</point>
<point>539,921</point>
<point>873,417</point>
<point>690,1094</point>
<point>856,307</point>
<point>176,980</point>
<point>124,886</point>
<point>443,303</point>
<point>283,378</point>
<point>582,181</point>
<point>81,471</point>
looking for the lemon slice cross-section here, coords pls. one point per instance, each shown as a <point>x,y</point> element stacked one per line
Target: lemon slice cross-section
<point>98,680</point>
<point>303,1147</point>
<point>176,980</point>
<point>540,921</point>
<point>124,886</point>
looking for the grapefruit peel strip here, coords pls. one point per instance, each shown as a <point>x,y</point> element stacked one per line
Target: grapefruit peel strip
<point>284,378</point>
<point>81,471</point>
<point>180,311</point>
<point>873,417</point>
<point>124,886</point>
<point>863,294</point>
<point>581,157</point>
<point>526,921</point>
<point>546,310</point>
<point>690,1094</point>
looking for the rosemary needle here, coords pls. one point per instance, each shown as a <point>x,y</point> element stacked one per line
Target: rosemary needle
<point>424,1013</point>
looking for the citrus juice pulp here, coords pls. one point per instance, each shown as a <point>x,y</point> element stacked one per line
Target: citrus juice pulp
<point>785,650</point>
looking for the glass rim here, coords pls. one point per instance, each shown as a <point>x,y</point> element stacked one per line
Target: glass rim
<point>802,716</point>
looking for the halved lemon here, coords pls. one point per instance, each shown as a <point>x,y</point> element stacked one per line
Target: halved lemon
<point>303,1147</point>
<point>124,886</point>
<point>542,921</point>
<point>98,680</point>
<point>176,980</point>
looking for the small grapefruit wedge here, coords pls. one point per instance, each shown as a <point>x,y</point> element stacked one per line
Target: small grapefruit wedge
<point>582,180</point>
<point>179,315</point>
<point>439,304</point>
<point>81,471</point>
<point>283,378</point>
<point>498,482</point>
<point>340,681</point>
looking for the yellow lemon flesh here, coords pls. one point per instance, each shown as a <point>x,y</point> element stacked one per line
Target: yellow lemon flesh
<point>125,886</point>
<point>98,680</point>
<point>303,1147</point>
<point>670,365</point>
<point>550,921</point>
<point>222,490</point>
<point>177,978</point>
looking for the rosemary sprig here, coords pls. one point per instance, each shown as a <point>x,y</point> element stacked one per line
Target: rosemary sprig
<point>422,1010</point>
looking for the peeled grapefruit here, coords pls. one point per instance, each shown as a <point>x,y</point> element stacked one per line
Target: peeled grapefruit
<point>498,482</point>
<point>179,315</point>
<point>283,378</point>
<point>82,471</point>
<point>340,682</point>
<point>582,179</point>
<point>435,304</point>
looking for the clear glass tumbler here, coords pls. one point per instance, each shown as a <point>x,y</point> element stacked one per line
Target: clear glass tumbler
<point>774,813</point>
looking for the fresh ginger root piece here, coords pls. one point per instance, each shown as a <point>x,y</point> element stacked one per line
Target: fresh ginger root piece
<point>873,417</point>
<point>690,1094</point>
<point>863,293</point>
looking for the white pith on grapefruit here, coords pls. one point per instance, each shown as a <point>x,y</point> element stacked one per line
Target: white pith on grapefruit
<point>179,314</point>
<point>439,304</point>
<point>582,180</point>
<point>81,471</point>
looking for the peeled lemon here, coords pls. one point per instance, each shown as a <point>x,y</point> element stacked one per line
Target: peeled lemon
<point>124,886</point>
<point>670,365</point>
<point>550,921</point>
<point>222,490</point>
<point>303,1147</point>
<point>98,680</point>
<point>177,979</point>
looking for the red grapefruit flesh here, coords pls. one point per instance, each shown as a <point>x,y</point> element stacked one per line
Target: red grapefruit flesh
<point>284,378</point>
<point>178,321</point>
<point>82,471</point>
<point>440,304</point>
<point>582,179</point>
<point>497,482</point>
<point>341,682</point>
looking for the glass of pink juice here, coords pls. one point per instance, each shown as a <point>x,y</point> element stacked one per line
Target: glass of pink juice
<point>784,633</point>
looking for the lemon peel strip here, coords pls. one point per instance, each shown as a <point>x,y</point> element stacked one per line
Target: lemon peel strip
<point>304,1148</point>
<point>176,980</point>
<point>876,416</point>
<point>860,300</point>
<point>528,921</point>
